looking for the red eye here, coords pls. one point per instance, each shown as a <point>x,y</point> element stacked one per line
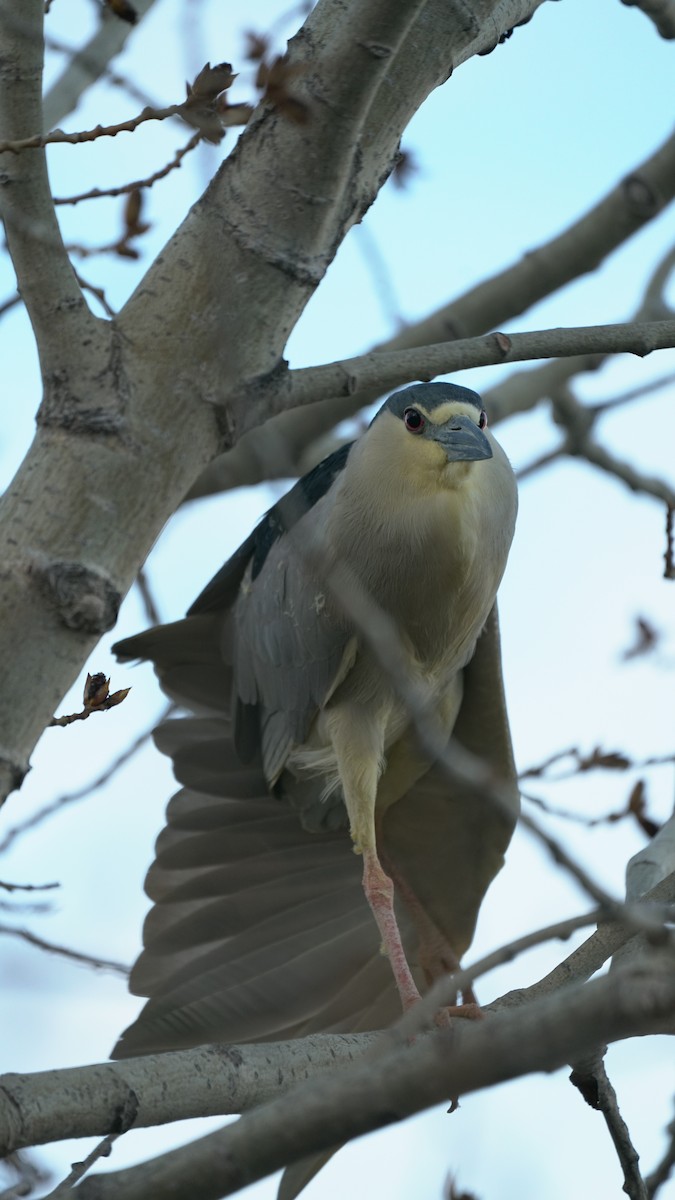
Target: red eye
<point>482,420</point>
<point>413,420</point>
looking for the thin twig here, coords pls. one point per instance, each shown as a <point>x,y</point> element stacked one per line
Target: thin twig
<point>89,789</point>
<point>28,887</point>
<point>9,303</point>
<point>591,1078</point>
<point>59,137</point>
<point>89,960</point>
<point>97,292</point>
<point>79,1169</point>
<point>123,189</point>
<point>538,464</point>
<point>149,602</point>
<point>662,1171</point>
<point>669,563</point>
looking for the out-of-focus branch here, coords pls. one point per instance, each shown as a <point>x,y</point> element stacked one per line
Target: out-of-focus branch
<point>46,279</point>
<point>577,420</point>
<point>275,449</point>
<point>87,960</point>
<point>661,1173</point>
<point>393,368</point>
<point>661,12</point>
<point>88,65</point>
<point>137,184</point>
<point>201,114</point>
<point>89,789</point>
<point>588,958</point>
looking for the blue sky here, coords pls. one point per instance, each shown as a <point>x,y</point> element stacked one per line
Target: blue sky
<point>516,146</point>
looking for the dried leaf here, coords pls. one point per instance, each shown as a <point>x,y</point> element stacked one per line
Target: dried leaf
<point>95,690</point>
<point>123,10</point>
<point>132,209</point>
<point>233,114</point>
<point>273,80</point>
<point>637,804</point>
<point>200,108</point>
<point>257,46</point>
<point>611,760</point>
<point>647,639</point>
<point>210,82</point>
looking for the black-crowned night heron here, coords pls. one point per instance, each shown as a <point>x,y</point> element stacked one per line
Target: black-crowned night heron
<point>259,928</point>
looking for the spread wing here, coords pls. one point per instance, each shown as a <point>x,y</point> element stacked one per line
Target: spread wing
<point>447,843</point>
<point>258,929</point>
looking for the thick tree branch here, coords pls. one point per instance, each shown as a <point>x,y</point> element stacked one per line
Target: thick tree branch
<point>407,1079</point>
<point>46,279</point>
<point>216,1080</point>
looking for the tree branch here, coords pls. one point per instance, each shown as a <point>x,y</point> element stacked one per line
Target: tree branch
<point>88,65</point>
<point>592,1080</point>
<point>388,369</point>
<point>46,279</point>
<point>406,1079</point>
<point>87,960</point>
<point>216,1080</point>
<point>636,200</point>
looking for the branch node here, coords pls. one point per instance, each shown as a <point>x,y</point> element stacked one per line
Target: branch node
<point>504,342</point>
<point>85,600</point>
<point>640,197</point>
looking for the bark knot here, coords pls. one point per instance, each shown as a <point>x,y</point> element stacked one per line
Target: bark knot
<point>85,599</point>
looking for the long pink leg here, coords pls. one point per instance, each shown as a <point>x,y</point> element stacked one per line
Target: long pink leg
<point>379,891</point>
<point>436,955</point>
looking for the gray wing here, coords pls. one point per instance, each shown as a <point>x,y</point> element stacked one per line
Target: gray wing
<point>447,843</point>
<point>258,929</point>
<point>292,646</point>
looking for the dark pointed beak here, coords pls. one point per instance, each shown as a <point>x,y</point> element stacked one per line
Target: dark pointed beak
<point>462,440</point>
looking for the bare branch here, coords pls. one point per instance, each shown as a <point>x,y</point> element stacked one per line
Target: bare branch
<point>210,1080</point>
<point>636,200</point>
<point>82,793</point>
<point>46,279</point>
<point>661,1173</point>
<point>402,1080</point>
<point>590,1077</point>
<point>27,887</point>
<point>593,953</point>
<point>79,1169</point>
<point>393,368</point>
<point>97,697</point>
<point>198,109</point>
<point>87,65</point>
<point>97,193</point>
<point>88,960</point>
